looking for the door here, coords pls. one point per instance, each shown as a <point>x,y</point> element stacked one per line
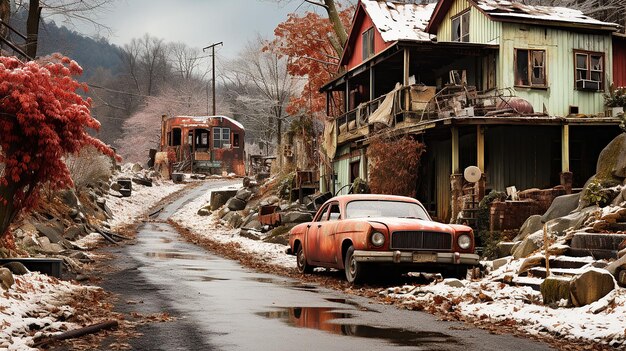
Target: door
<point>311,248</point>
<point>327,236</point>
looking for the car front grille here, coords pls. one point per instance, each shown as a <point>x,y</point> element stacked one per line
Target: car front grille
<point>421,240</point>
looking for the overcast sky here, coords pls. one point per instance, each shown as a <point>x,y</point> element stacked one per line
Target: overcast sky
<point>198,23</point>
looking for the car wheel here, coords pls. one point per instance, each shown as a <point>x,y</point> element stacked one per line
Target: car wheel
<point>354,269</point>
<point>457,272</point>
<point>303,266</point>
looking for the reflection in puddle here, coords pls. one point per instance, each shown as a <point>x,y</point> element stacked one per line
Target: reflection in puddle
<point>348,302</point>
<point>323,318</point>
<point>178,255</point>
<point>196,269</point>
<point>166,240</point>
<point>291,284</point>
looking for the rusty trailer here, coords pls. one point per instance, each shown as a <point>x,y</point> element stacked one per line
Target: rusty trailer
<point>204,144</point>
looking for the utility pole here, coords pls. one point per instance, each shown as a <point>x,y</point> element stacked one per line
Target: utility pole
<point>212,47</point>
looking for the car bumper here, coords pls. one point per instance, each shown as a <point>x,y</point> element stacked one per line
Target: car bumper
<point>415,257</point>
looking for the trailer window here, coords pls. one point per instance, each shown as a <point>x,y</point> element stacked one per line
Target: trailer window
<point>221,138</point>
<point>176,137</point>
<point>235,139</point>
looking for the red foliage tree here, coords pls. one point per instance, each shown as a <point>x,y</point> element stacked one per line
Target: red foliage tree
<point>307,41</point>
<point>394,165</point>
<point>42,118</point>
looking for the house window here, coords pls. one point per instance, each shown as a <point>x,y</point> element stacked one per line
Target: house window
<point>221,138</point>
<point>589,71</point>
<point>460,27</point>
<point>368,44</point>
<point>530,69</point>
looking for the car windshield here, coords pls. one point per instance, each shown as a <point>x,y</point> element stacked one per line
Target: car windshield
<point>384,208</point>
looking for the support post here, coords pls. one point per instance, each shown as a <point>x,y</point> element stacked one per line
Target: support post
<point>455,150</point>
<point>480,148</point>
<point>405,81</point>
<point>566,176</point>
<point>212,47</point>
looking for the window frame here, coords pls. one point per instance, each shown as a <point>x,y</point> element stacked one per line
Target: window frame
<point>221,141</point>
<point>367,37</point>
<point>459,16</point>
<point>530,68</point>
<point>589,70</point>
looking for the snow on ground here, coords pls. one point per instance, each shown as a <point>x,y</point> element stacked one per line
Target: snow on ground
<point>35,302</point>
<point>208,226</point>
<point>126,210</point>
<point>603,321</point>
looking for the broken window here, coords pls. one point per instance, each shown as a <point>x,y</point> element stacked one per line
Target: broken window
<point>460,27</point>
<point>530,69</point>
<point>176,137</point>
<point>235,139</point>
<point>368,44</point>
<point>221,138</point>
<point>589,71</point>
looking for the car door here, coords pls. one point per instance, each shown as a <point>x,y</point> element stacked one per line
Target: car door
<point>327,235</point>
<point>311,248</point>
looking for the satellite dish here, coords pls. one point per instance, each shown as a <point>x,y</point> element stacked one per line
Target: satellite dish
<point>472,174</point>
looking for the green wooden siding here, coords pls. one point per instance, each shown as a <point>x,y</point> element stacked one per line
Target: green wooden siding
<point>482,29</point>
<point>559,46</point>
<point>342,168</point>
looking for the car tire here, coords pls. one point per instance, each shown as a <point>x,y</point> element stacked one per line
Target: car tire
<point>303,266</point>
<point>354,270</point>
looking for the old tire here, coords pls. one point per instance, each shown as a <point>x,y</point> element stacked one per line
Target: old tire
<point>354,270</point>
<point>303,266</point>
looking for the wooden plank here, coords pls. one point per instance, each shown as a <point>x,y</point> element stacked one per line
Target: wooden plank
<point>480,147</point>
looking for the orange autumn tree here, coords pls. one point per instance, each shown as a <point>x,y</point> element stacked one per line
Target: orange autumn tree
<point>307,41</point>
<point>42,119</point>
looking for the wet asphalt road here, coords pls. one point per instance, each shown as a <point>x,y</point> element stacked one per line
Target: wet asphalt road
<point>219,305</point>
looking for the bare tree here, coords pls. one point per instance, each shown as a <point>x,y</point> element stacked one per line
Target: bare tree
<point>186,61</point>
<point>267,88</point>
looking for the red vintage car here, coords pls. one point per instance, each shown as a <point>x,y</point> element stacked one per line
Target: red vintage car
<point>393,234</point>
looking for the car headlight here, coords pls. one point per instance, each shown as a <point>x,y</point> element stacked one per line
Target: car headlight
<point>464,241</point>
<point>378,239</point>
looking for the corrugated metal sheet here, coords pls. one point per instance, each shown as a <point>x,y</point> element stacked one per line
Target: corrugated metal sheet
<point>559,46</point>
<point>482,30</point>
<point>523,156</point>
<point>619,61</point>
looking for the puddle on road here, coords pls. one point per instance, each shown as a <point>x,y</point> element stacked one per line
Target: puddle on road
<point>292,285</point>
<point>325,319</point>
<point>348,302</point>
<point>196,269</point>
<point>166,240</point>
<point>176,255</point>
<point>211,279</point>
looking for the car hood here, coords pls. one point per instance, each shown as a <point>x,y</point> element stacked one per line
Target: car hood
<point>408,224</point>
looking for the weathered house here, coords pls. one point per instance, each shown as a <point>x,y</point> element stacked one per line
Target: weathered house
<point>619,59</point>
<point>515,90</point>
<point>211,144</point>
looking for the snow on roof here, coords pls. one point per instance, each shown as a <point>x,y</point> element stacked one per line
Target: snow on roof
<point>204,119</point>
<point>504,8</point>
<point>399,21</point>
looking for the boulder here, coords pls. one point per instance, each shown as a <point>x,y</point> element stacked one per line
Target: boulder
<point>235,220</point>
<point>554,289</point>
<point>531,262</point>
<point>531,225</point>
<point>73,232</point>
<point>453,282</point>
<point>115,187</point>
<point>204,211</point>
<point>295,217</point>
<point>243,194</point>
<point>528,245</point>
<point>504,248</point>
<point>590,286</point>
<point>136,168</point>
<point>220,197</point>
<point>561,206</point>
<point>16,268</point>
<point>499,262</point>
<point>69,198</point>
<point>223,212</point>
<point>253,224</point>
<point>51,248</point>
<point>572,221</point>
<point>235,204</point>
<point>250,234</point>
<point>616,266</point>
<point>51,232</point>
<point>6,278</point>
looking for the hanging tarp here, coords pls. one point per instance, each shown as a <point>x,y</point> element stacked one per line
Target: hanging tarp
<point>384,112</point>
<point>330,142</point>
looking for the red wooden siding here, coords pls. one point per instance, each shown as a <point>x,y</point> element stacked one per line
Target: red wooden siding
<point>356,53</point>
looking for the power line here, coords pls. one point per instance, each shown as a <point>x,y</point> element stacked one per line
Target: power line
<point>135,94</point>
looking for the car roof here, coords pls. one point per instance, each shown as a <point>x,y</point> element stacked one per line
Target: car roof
<point>352,197</point>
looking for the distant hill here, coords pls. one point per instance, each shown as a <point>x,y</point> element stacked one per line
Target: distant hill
<point>90,53</point>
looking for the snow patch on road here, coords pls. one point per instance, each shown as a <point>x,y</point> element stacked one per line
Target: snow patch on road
<point>208,226</point>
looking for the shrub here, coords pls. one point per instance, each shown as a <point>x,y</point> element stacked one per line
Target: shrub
<point>394,164</point>
<point>88,167</point>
